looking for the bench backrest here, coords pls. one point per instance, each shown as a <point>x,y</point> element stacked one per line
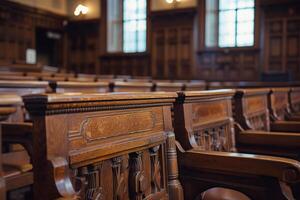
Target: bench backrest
<point>121,86</point>
<point>168,86</point>
<point>21,88</point>
<point>112,145</point>
<point>195,86</point>
<point>82,87</point>
<point>203,120</point>
<point>251,109</point>
<point>295,99</point>
<point>279,103</point>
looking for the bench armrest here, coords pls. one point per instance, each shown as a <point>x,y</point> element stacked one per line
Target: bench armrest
<point>18,133</point>
<point>62,179</point>
<point>284,169</point>
<point>285,126</point>
<point>278,139</point>
<point>293,117</point>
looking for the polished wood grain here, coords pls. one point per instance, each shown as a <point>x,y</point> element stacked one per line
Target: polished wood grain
<point>117,143</point>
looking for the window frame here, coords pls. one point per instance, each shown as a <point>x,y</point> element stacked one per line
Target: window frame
<point>217,48</point>
<point>104,37</point>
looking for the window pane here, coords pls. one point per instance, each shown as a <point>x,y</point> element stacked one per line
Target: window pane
<point>245,3</point>
<point>227,28</point>
<point>142,9</point>
<point>135,25</point>
<point>226,16</point>
<point>141,41</point>
<point>211,23</point>
<point>211,5</point>
<point>114,26</point>
<point>245,40</point>
<point>227,4</point>
<point>129,36</point>
<point>130,9</point>
<point>245,28</point>
<point>210,30</point>
<point>227,40</point>
<point>236,23</point>
<point>245,14</point>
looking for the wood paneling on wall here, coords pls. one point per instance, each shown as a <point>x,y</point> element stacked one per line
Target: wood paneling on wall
<point>83,46</point>
<point>233,65</point>
<point>18,25</point>
<point>55,6</point>
<point>172,51</point>
<point>282,39</point>
<point>125,64</point>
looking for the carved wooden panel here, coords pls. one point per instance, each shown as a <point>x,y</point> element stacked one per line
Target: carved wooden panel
<point>279,101</point>
<point>295,100</point>
<point>117,125</point>
<point>212,125</point>
<point>122,128</point>
<point>259,121</point>
<point>137,175</point>
<point>215,138</point>
<point>256,112</point>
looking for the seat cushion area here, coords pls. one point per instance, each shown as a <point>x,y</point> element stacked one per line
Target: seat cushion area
<point>219,193</point>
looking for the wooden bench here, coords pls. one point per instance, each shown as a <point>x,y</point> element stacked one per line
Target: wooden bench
<point>15,172</point>
<point>294,101</point>
<point>105,77</point>
<point>280,115</point>
<point>254,130</point>
<point>121,86</point>
<point>168,86</point>
<point>208,157</point>
<point>214,85</point>
<point>15,130</point>
<point>83,78</point>
<point>83,87</point>
<point>111,146</point>
<point>23,87</point>
<point>194,86</point>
